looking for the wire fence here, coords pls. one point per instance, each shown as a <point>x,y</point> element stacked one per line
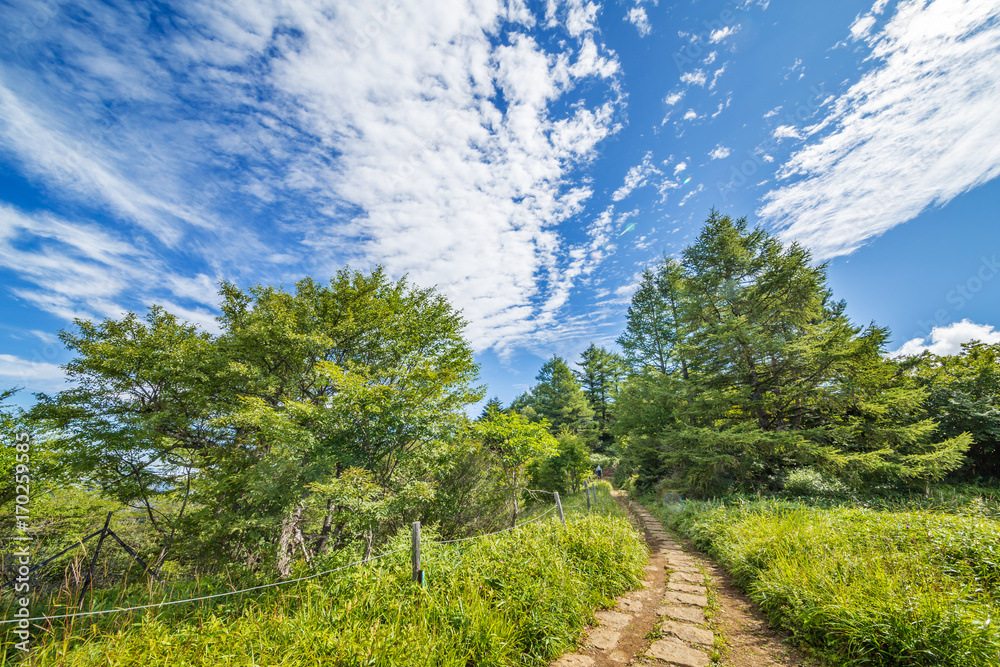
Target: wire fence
<point>283,582</point>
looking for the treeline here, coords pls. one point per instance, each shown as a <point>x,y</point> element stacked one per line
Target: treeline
<point>740,370</point>
<point>317,422</point>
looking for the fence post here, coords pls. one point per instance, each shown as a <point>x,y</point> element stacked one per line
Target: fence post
<point>418,574</point>
<point>586,487</point>
<point>562,516</point>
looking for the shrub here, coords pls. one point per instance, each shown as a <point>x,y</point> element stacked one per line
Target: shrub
<point>812,483</point>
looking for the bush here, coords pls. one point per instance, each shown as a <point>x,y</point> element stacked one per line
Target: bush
<point>812,483</point>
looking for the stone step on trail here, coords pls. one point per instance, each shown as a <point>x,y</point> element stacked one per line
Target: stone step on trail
<point>615,620</point>
<point>681,587</point>
<point>675,652</point>
<point>685,598</point>
<point>686,577</point>
<point>603,638</point>
<point>688,633</point>
<point>683,613</point>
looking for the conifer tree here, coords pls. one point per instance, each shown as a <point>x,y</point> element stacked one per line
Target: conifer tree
<point>772,374</point>
<point>559,399</point>
<point>600,375</point>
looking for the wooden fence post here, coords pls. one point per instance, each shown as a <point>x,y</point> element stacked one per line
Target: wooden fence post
<point>586,487</point>
<point>562,516</point>
<point>418,574</point>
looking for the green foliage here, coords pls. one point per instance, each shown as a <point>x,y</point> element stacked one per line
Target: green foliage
<point>558,399</point>
<point>600,377</point>
<point>522,597</point>
<point>514,443</point>
<point>565,471</point>
<point>963,394</point>
<point>468,489</point>
<point>653,330</point>
<point>862,587</point>
<point>808,482</point>
<point>744,369</point>
<point>236,433</point>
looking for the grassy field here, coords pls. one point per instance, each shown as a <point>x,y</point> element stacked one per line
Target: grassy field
<point>862,586</point>
<point>520,597</point>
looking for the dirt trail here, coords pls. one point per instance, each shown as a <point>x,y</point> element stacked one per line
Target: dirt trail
<point>666,622</point>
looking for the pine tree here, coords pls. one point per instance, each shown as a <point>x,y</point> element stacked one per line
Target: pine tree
<point>600,375</point>
<point>559,399</point>
<point>652,333</point>
<point>772,374</point>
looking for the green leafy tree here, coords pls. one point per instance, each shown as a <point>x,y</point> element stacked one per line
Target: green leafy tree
<point>963,395</point>
<point>564,471</point>
<point>600,375</point>
<point>138,422</point>
<point>299,386</point>
<point>515,442</point>
<point>493,404</point>
<point>653,331</point>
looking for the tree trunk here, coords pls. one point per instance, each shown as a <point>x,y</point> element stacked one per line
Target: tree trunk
<point>286,541</point>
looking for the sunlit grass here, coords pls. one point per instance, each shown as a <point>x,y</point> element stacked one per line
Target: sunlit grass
<point>862,586</point>
<point>520,597</point>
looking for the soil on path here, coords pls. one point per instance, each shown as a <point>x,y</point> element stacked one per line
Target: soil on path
<point>665,622</point>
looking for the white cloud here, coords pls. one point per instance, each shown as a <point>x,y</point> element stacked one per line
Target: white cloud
<point>691,115</point>
<point>715,77</point>
<point>674,98</point>
<point>717,36</point>
<point>15,370</point>
<point>879,6</point>
<point>681,166</point>
<point>637,17</point>
<point>720,152</point>
<point>404,135</point>
<point>696,78</point>
<point>862,26</point>
<point>636,177</point>
<point>581,16</point>
<point>786,132</point>
<point>947,340</point>
<point>918,129</point>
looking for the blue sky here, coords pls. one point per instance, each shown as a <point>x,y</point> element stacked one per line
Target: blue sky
<point>529,159</point>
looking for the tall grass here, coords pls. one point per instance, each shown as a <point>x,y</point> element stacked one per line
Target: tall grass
<point>520,597</point>
<point>862,586</point>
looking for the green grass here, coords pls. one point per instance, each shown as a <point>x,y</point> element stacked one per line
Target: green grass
<point>517,598</point>
<point>862,586</point>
